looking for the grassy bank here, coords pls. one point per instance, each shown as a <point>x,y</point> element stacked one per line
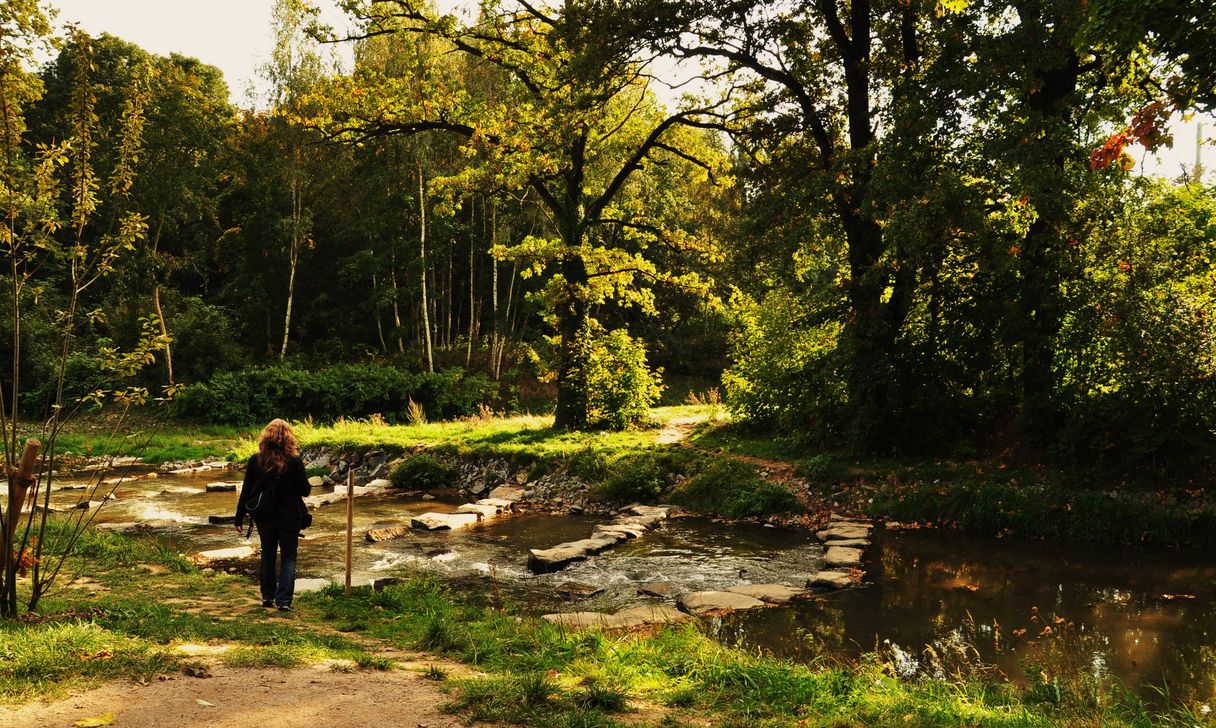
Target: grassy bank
<point>529,671</point>
<point>989,496</point>
<point>992,496</point>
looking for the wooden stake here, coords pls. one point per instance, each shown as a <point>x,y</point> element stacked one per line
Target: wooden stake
<point>350,523</point>
<point>20,480</point>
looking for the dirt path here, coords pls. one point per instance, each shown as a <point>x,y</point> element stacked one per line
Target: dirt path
<point>677,430</point>
<point>242,697</point>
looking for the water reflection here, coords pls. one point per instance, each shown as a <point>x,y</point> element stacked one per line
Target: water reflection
<point>1146,616</point>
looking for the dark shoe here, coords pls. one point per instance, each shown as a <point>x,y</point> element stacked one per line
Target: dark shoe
<point>285,608</point>
<point>267,603</point>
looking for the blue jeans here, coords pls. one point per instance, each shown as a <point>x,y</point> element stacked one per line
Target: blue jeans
<point>279,587</point>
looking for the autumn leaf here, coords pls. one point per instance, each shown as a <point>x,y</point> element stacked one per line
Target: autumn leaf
<point>104,719</point>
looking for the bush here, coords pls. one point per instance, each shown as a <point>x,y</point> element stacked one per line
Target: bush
<point>421,472</point>
<point>784,371</point>
<point>204,341</point>
<point>255,395</point>
<point>611,368</point>
<point>733,489</point>
<point>645,477</point>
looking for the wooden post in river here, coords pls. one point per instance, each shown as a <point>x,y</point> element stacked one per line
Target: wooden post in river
<point>350,523</point>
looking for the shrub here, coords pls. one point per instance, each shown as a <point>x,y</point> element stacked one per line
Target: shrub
<point>611,367</point>
<point>733,489</point>
<point>255,395</point>
<point>644,477</point>
<point>421,472</point>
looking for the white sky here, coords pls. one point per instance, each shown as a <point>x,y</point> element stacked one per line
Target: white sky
<point>235,36</point>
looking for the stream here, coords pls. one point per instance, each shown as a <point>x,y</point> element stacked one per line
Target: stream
<point>1145,616</point>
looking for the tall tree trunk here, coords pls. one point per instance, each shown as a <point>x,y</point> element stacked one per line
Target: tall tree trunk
<point>426,319</point>
<point>376,312</point>
<point>160,316</point>
<point>449,300</point>
<point>468,355</point>
<point>296,215</point>
<point>495,354</point>
<point>396,305</point>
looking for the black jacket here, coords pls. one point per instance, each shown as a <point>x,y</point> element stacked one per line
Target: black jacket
<point>290,487</point>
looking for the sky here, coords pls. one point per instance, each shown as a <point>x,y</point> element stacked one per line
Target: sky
<point>235,36</point>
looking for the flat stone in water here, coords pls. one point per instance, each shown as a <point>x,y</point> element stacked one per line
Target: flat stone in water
<point>376,535</point>
<point>573,590</point>
<point>657,589</point>
<point>771,593</point>
<point>639,616</point>
<point>838,533</point>
<point>223,487</point>
<point>236,552</point>
<point>544,561</point>
<point>482,512</point>
<point>502,504</point>
<point>830,580</point>
<point>441,521</point>
<point>716,602</point>
<point>303,586</point>
<point>856,543</point>
<point>842,556</point>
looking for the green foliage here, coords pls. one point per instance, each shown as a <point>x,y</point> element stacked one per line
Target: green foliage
<point>421,472</point>
<point>250,396</point>
<point>204,341</point>
<point>734,489</point>
<point>645,477</point>
<point>611,368</point>
<point>784,370</point>
<point>1138,354</point>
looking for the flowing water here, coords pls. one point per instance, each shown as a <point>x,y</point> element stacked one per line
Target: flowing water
<point>1145,616</point>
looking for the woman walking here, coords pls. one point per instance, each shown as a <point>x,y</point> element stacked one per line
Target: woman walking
<point>273,496</point>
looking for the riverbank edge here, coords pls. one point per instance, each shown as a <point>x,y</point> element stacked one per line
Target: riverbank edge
<point>993,496</point>
<point>522,670</point>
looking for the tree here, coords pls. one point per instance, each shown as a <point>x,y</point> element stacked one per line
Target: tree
<point>54,248</point>
<point>574,127</point>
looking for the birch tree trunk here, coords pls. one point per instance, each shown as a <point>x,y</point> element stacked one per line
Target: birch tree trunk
<point>426,319</point>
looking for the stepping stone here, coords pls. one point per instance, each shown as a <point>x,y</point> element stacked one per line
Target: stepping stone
<point>830,580</point>
<point>220,520</point>
<point>508,492</point>
<point>376,535</point>
<point>842,556</point>
<point>657,589</point>
<point>856,543</point>
<point>377,485</point>
<point>843,532</point>
<point>237,552</point>
<point>316,481</point>
<point>482,512</point>
<point>643,521</point>
<point>223,487</point>
<point>716,602</point>
<point>502,504</point>
<point>544,561</point>
<point>324,499</point>
<point>771,593</point>
<point>442,521</point>
<point>637,510</point>
<point>639,616</point>
<point>624,531</point>
<point>304,586</point>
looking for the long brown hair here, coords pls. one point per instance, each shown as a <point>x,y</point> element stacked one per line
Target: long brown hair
<point>276,444</point>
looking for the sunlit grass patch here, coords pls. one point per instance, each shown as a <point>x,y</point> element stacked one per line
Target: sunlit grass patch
<point>44,659</point>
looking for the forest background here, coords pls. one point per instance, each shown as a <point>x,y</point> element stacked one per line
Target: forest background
<point>873,227</point>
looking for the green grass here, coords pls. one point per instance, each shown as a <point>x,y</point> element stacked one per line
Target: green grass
<point>167,443</point>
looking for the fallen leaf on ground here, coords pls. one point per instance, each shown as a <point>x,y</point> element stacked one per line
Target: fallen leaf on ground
<point>104,719</point>
<point>204,703</point>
